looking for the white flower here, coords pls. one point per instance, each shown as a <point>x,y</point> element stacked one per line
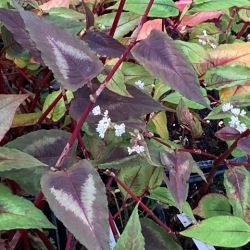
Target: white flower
<point>234,122</point>
<point>241,127</point>
<point>103,125</point>
<point>213,45</point>
<point>96,110</point>
<point>106,112</point>
<point>136,148</point>
<point>203,42</point>
<point>243,112</point>
<point>235,111</point>
<point>204,32</point>
<point>139,84</point>
<point>119,129</point>
<point>226,107</point>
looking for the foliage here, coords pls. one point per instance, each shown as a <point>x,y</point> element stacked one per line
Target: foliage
<point>105,108</point>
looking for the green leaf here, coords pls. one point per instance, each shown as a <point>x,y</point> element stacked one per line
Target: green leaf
<point>213,205</point>
<point>160,8</point>
<point>237,184</point>
<point>59,110</point>
<point>160,122</point>
<point>227,76</point>
<point>17,212</point>
<point>156,238</point>
<point>132,238</point>
<point>217,114</point>
<point>163,195</point>
<point>222,231</point>
<point>11,158</point>
<point>210,5</point>
<point>244,15</point>
<point>127,23</point>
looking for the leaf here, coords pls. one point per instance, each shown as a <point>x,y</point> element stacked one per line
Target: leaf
<point>15,24</point>
<point>55,4</point>
<point>236,91</point>
<point>103,44</point>
<point>77,197</point>
<point>17,212</point>
<point>226,76</point>
<point>28,119</point>
<point>224,231</point>
<point>244,14</point>
<point>197,18</point>
<point>161,56</point>
<point>15,159</point>
<point>156,238</point>
<point>44,145</point>
<point>59,110</point>
<point>127,22</point>
<point>181,4</point>
<point>64,54</point>
<point>179,165</point>
<point>163,195</point>
<point>227,133</point>
<point>213,205</point>
<point>160,122</point>
<point>189,120</point>
<point>210,5</point>
<point>244,144</point>
<point>160,8</point>
<point>237,184</point>
<point>148,27</point>
<point>131,237</point>
<point>119,107</point>
<point>8,107</point>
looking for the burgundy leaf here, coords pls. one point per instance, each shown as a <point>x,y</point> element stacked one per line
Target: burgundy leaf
<point>227,133</point>
<point>179,165</point>
<point>244,144</point>
<point>70,59</point>
<point>77,197</point>
<point>103,44</point>
<point>119,107</point>
<point>163,58</point>
<point>14,23</point>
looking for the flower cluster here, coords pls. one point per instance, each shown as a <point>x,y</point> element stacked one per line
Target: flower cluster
<point>136,141</point>
<point>136,148</point>
<point>205,40</point>
<point>106,123</point>
<point>234,120</point>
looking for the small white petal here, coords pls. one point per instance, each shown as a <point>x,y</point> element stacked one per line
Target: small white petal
<point>234,122</point>
<point>226,107</point>
<point>130,150</point>
<point>213,45</point>
<point>96,110</point>
<point>235,111</point>
<point>140,84</point>
<point>106,112</point>
<point>243,112</point>
<point>241,127</point>
<point>119,129</point>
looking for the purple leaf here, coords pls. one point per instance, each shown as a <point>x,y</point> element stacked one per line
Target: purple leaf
<point>77,197</point>
<point>103,44</point>
<point>14,23</point>
<point>70,59</point>
<point>244,144</point>
<point>163,58</point>
<point>227,133</point>
<point>179,165</point>
<point>119,107</point>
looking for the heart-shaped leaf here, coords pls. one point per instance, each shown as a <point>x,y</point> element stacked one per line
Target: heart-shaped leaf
<point>77,197</point>
<point>17,212</point>
<point>159,54</point>
<point>224,231</point>
<point>70,59</point>
<point>179,165</point>
<point>8,106</point>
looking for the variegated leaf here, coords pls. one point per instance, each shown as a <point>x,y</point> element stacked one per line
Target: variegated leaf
<point>159,54</point>
<point>77,197</point>
<point>70,59</point>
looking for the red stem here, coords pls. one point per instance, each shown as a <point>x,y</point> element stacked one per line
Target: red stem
<point>141,204</point>
<point>204,188</point>
<point>44,239</point>
<point>243,30</point>
<point>117,18</point>
<point>69,240</point>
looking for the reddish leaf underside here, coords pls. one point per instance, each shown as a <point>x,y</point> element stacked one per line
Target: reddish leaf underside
<point>77,197</point>
<point>179,165</point>
<point>159,54</point>
<point>227,133</point>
